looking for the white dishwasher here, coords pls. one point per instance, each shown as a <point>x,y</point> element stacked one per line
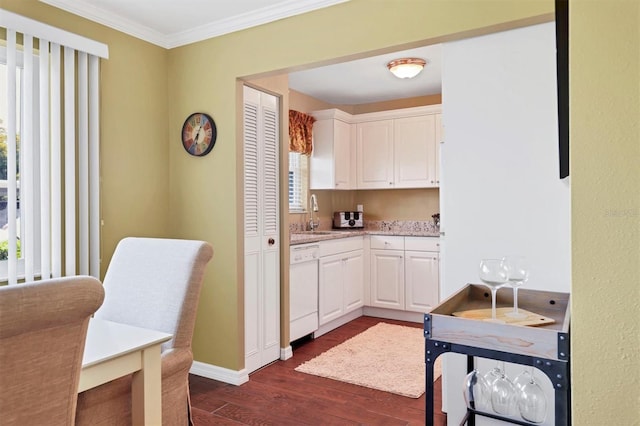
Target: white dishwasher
<point>303,290</point>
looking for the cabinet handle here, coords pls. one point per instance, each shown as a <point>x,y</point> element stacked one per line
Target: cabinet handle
<point>390,183</point>
<point>271,241</point>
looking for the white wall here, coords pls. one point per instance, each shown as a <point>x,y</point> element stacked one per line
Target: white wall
<point>500,188</point>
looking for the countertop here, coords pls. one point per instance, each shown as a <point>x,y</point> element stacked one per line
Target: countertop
<point>322,235</point>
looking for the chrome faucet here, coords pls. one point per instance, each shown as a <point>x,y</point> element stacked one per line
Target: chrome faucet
<point>314,208</point>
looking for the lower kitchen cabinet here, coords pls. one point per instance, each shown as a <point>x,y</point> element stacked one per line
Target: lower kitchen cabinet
<point>421,280</point>
<point>405,273</point>
<point>387,279</point>
<point>341,285</point>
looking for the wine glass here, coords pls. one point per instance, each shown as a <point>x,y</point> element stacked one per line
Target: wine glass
<point>493,274</point>
<point>504,396</point>
<point>522,379</point>
<point>532,402</point>
<point>517,274</point>
<point>476,392</point>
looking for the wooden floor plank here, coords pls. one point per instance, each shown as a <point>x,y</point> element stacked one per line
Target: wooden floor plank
<point>279,395</point>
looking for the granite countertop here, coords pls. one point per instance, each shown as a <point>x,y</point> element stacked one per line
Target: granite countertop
<point>394,228</point>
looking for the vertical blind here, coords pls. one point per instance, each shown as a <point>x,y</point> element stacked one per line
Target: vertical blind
<point>52,138</point>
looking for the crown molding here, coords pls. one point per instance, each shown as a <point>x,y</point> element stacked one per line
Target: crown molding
<point>110,20</point>
<point>248,20</point>
<point>203,32</point>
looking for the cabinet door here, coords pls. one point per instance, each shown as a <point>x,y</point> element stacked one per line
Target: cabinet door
<point>439,139</point>
<point>414,152</point>
<point>343,157</point>
<point>387,278</point>
<point>374,154</point>
<point>330,288</point>
<point>421,280</point>
<point>353,265</point>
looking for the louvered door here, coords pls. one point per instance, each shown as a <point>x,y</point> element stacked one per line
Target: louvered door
<point>261,229</point>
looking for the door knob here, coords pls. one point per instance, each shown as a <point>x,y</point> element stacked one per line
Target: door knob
<point>271,241</point>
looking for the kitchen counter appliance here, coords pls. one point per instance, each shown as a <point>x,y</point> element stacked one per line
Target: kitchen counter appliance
<point>342,220</point>
<point>303,290</point>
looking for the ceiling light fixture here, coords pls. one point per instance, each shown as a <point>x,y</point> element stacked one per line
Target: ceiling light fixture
<point>406,67</point>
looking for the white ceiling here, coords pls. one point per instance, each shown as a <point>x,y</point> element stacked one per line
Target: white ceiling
<point>368,80</point>
<point>173,23</point>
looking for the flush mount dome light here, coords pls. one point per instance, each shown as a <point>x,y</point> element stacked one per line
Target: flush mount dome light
<point>406,67</point>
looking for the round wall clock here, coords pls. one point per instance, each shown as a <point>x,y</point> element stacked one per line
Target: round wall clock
<point>199,134</point>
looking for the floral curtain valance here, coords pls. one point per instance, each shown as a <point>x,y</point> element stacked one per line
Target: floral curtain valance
<point>300,132</point>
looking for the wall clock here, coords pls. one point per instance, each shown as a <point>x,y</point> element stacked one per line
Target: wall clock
<point>199,134</point>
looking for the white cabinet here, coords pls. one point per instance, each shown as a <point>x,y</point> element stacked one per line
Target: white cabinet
<point>374,154</point>
<point>404,272</point>
<point>330,288</point>
<point>387,272</point>
<point>333,160</point>
<point>414,153</point>
<point>378,150</point>
<point>422,273</point>
<point>387,278</point>
<point>398,149</point>
<point>341,278</point>
<point>439,140</point>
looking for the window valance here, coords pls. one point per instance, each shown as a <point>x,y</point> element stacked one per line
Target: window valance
<point>300,132</point>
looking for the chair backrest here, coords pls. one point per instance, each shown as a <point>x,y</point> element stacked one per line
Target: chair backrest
<point>155,283</point>
<point>43,327</point>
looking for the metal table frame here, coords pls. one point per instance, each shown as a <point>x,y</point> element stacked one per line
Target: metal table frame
<point>558,372</point>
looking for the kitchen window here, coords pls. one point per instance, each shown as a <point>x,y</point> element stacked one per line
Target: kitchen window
<point>298,182</point>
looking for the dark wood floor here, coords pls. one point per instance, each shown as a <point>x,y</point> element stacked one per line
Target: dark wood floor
<point>279,395</point>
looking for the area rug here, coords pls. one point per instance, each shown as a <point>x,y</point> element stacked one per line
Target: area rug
<point>386,357</point>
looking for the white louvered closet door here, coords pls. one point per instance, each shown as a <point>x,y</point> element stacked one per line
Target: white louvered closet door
<point>261,229</point>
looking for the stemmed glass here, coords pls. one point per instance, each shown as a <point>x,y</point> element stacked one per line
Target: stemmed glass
<point>532,402</point>
<point>476,392</point>
<point>517,274</point>
<point>493,274</point>
<point>504,396</point>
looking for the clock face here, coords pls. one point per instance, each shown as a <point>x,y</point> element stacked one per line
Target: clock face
<point>199,134</point>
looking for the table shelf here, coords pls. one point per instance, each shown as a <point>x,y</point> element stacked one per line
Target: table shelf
<point>544,347</point>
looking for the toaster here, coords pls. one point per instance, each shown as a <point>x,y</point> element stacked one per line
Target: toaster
<point>348,220</point>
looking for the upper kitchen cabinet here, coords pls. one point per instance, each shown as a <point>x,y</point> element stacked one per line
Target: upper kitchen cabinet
<point>333,160</point>
<point>378,150</point>
<point>374,150</point>
<point>398,149</point>
<point>414,152</point>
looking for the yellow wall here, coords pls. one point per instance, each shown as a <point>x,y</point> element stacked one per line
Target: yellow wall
<point>134,111</point>
<point>605,193</point>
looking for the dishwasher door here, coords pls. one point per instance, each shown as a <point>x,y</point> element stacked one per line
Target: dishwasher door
<point>303,291</point>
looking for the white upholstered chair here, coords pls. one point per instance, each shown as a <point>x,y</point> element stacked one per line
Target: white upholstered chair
<point>153,283</point>
<point>43,328</point>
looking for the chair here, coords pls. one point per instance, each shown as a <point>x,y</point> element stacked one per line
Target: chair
<point>152,283</point>
<point>43,327</point>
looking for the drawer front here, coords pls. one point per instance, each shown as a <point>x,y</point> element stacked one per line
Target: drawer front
<point>387,242</point>
<point>422,243</point>
<point>341,245</point>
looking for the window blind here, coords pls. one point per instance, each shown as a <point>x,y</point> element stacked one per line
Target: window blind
<point>52,138</point>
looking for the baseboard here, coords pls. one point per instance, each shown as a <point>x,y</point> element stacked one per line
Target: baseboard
<point>220,374</point>
<point>371,311</point>
<point>331,325</point>
<point>286,353</point>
